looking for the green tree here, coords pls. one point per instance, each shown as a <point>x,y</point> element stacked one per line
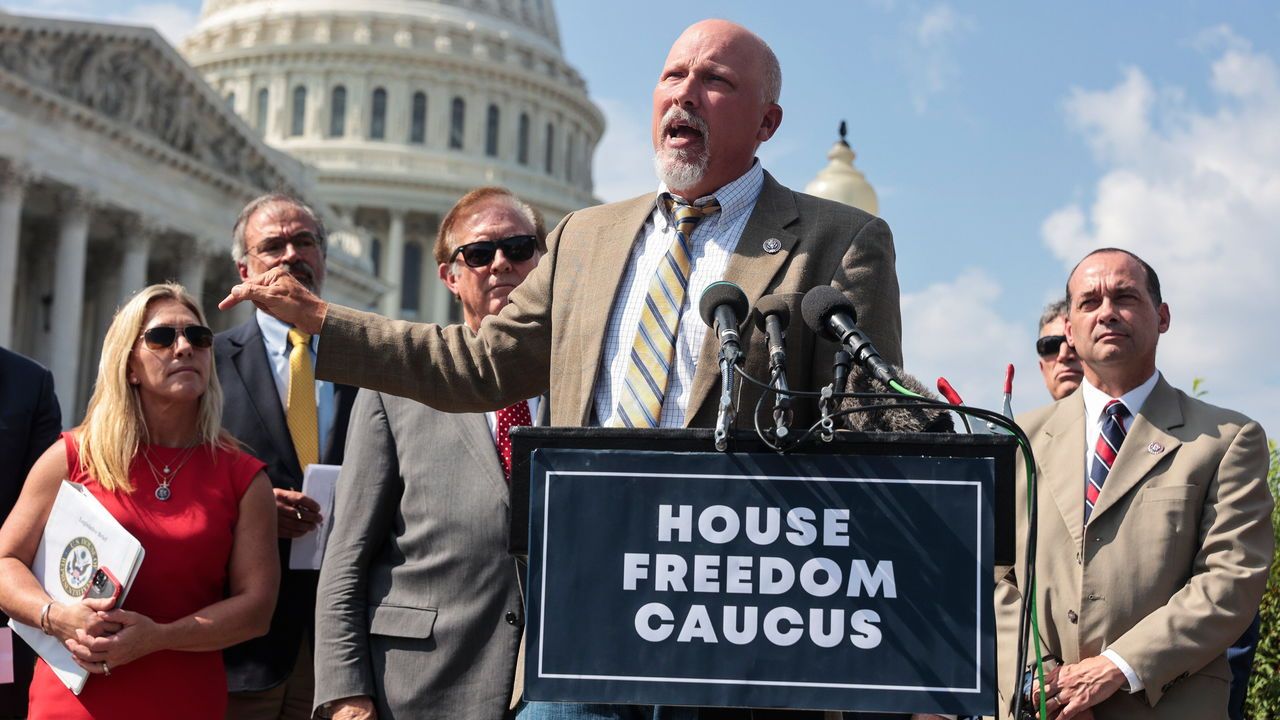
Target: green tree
<point>1263,702</point>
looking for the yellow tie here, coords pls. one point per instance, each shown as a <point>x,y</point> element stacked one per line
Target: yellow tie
<point>301,411</point>
<point>654,348</point>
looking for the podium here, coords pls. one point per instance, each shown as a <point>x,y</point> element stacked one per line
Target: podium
<point>852,575</point>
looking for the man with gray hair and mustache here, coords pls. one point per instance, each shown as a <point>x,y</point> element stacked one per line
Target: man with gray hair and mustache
<point>273,404</point>
<point>607,325</point>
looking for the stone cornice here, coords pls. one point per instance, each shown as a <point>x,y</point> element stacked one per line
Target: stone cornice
<point>129,85</point>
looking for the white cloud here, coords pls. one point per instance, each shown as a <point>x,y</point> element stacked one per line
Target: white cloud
<point>936,24</point>
<point>1195,192</point>
<point>624,158</point>
<point>929,64</point>
<point>952,329</point>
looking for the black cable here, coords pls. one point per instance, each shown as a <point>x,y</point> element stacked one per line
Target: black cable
<point>1026,614</point>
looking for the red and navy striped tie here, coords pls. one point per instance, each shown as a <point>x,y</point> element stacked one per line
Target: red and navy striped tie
<point>1104,452</point>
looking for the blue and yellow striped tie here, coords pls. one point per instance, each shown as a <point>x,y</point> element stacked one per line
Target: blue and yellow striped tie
<point>654,348</point>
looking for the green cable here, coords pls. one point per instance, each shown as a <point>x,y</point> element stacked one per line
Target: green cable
<point>1035,617</point>
<point>902,390</point>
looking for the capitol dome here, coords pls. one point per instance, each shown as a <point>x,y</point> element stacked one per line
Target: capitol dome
<point>402,106</point>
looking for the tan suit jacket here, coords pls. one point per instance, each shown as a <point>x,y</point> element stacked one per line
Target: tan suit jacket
<point>550,338</point>
<point>1171,568</point>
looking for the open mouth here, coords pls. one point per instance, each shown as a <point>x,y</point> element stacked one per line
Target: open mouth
<point>681,128</point>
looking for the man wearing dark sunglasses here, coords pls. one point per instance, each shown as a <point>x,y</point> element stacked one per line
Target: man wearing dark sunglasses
<point>389,521</point>
<point>273,404</point>
<point>1059,363</point>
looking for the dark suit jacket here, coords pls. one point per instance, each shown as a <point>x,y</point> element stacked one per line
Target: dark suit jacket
<point>1172,565</point>
<point>551,335</point>
<point>30,421</point>
<point>251,411</point>
<point>419,601</point>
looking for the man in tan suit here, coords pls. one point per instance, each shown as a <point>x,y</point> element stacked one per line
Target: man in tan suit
<point>714,104</point>
<point>1154,539</point>
<point>572,329</point>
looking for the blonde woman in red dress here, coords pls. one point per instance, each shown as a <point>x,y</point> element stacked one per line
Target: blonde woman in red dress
<point>153,452</point>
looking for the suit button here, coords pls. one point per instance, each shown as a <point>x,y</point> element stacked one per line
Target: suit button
<point>512,618</point>
<point>1071,615</point>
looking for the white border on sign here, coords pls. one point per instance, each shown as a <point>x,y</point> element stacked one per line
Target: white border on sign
<point>977,640</point>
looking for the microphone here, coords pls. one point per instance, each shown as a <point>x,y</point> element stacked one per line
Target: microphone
<point>773,316</point>
<point>830,314</point>
<point>722,307</point>
<point>914,419</point>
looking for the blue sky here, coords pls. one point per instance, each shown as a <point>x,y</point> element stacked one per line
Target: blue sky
<point>1005,140</point>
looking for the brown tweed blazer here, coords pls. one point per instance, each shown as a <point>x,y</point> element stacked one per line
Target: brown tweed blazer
<point>549,340</point>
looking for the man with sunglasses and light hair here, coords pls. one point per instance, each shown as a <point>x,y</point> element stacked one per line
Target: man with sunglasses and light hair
<point>273,404</point>
<point>418,607</point>
<point>1059,363</point>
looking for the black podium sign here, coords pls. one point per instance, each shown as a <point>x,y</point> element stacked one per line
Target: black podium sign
<point>807,581</point>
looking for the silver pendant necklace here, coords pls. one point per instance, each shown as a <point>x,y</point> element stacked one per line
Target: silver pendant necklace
<point>165,475</point>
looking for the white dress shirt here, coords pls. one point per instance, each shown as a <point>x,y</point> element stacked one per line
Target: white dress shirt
<point>275,336</point>
<point>1095,401</point>
<point>711,247</point>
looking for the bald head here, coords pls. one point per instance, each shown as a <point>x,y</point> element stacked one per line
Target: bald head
<point>769,70</point>
<point>715,102</point>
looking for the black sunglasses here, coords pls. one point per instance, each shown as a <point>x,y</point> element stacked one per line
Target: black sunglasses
<point>1049,345</point>
<point>516,248</point>
<point>162,336</point>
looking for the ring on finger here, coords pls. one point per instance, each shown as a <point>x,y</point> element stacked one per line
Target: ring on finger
<point>106,670</point>
<point>298,513</point>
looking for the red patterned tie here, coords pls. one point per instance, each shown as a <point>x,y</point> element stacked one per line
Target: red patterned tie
<point>1104,453</point>
<point>515,416</point>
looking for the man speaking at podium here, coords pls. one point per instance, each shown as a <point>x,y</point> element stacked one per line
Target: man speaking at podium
<point>572,326</point>
<point>608,322</point>
<point>1154,515</point>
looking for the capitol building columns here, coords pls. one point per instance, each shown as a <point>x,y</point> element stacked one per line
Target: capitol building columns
<point>68,293</point>
<point>13,190</point>
<point>391,301</point>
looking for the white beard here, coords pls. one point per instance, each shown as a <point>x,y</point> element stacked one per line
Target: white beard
<point>677,170</point>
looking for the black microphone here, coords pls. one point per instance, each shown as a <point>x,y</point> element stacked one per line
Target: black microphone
<point>722,307</point>
<point>829,313</point>
<point>773,316</point>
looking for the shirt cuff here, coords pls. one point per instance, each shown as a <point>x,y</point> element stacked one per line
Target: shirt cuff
<point>1135,682</point>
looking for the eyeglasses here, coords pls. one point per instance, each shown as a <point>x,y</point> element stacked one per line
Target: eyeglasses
<point>1049,345</point>
<point>516,248</point>
<point>163,336</point>
<point>274,247</point>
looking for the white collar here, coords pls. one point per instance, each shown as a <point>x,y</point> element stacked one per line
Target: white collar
<point>1095,400</point>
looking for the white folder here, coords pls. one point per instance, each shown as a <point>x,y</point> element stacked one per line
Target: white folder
<point>79,537</point>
